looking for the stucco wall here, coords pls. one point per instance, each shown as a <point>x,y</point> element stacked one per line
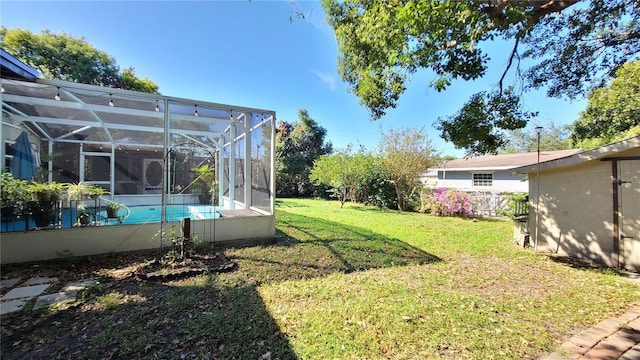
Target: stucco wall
<point>60,243</point>
<point>576,210</point>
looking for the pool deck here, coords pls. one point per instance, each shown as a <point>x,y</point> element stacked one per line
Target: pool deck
<point>238,212</point>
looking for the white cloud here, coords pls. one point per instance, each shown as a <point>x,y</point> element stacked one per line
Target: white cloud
<point>328,79</point>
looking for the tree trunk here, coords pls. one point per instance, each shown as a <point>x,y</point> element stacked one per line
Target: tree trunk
<point>400,196</point>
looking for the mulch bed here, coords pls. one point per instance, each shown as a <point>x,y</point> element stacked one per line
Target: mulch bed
<point>143,265</point>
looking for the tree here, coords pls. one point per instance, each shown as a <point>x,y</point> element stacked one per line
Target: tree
<point>552,137</point>
<point>613,112</point>
<point>573,49</point>
<point>64,57</point>
<point>340,171</point>
<point>406,153</point>
<point>298,145</point>
<point>480,125</point>
<point>358,176</point>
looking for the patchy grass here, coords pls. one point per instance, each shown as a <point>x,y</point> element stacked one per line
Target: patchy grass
<point>356,282</point>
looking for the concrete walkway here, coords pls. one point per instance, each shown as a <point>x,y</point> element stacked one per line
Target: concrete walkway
<point>19,294</point>
<point>612,339</point>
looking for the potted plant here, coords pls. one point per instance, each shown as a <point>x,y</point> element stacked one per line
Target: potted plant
<point>46,192</point>
<point>112,209</point>
<point>13,194</point>
<point>96,191</point>
<point>45,197</point>
<point>83,216</point>
<point>204,183</point>
<point>83,190</point>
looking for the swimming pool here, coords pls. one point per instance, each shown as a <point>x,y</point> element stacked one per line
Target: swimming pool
<point>137,215</point>
<point>152,213</point>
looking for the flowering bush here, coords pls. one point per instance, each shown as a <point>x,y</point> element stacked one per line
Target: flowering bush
<point>449,202</point>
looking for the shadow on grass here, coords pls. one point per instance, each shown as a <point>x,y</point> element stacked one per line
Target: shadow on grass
<point>132,319</point>
<point>582,264</point>
<point>311,247</point>
<point>214,316</point>
<point>288,203</point>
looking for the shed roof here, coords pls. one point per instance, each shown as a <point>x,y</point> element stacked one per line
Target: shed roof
<point>504,161</point>
<point>607,151</point>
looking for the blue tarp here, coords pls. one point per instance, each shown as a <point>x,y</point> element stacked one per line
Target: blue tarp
<point>23,165</point>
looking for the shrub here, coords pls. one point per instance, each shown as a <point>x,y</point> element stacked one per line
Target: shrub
<point>511,205</point>
<point>449,202</point>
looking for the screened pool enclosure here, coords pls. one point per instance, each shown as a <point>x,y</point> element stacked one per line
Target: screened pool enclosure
<point>163,158</point>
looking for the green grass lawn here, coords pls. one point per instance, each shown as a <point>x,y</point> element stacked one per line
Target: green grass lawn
<point>350,283</point>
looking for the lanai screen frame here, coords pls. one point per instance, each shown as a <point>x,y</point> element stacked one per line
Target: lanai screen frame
<point>97,113</point>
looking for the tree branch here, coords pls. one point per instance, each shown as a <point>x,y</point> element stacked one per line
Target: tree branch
<point>514,52</point>
<point>540,8</point>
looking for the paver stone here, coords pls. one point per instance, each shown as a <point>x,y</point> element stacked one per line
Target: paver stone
<point>12,306</point>
<point>55,299</point>
<point>79,285</point>
<point>25,292</point>
<point>7,283</point>
<point>40,280</point>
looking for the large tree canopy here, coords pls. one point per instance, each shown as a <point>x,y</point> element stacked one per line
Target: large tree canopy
<point>406,153</point>
<point>64,57</point>
<point>575,46</point>
<point>613,111</point>
<point>298,145</point>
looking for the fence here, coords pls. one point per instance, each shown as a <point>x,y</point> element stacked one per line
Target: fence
<point>487,203</point>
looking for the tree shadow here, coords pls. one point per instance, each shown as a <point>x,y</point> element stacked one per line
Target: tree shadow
<point>212,316</point>
<point>311,247</point>
<point>583,264</point>
<point>138,320</point>
<point>289,203</point>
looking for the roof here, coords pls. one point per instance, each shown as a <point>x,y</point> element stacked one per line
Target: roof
<point>12,68</point>
<point>504,161</point>
<point>61,111</point>
<point>603,152</point>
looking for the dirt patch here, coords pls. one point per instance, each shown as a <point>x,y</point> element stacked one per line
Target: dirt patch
<point>126,288</point>
<point>492,276</point>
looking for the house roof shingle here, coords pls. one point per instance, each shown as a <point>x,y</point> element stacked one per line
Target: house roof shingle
<point>600,153</point>
<point>505,161</point>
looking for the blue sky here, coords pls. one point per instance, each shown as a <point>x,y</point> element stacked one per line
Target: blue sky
<point>249,53</point>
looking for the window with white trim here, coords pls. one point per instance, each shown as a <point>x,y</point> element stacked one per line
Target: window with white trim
<point>9,146</point>
<point>482,180</point>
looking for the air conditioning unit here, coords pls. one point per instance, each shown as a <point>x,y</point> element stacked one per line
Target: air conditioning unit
<point>153,175</point>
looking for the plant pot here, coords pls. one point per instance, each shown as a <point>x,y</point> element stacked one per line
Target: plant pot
<point>42,196</point>
<point>84,219</point>
<point>112,213</point>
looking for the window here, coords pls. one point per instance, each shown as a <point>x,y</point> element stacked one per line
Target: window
<point>482,180</point>
<point>9,146</point>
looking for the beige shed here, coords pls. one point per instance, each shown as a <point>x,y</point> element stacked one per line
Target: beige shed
<point>587,205</point>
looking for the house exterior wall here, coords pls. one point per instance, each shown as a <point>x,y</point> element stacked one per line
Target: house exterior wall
<point>576,211</point>
<point>503,181</point>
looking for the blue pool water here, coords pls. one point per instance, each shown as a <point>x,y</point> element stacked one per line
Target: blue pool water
<point>149,214</point>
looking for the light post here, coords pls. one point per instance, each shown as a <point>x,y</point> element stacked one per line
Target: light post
<point>538,131</point>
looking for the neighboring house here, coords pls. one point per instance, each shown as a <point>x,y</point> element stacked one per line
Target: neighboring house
<point>487,177</point>
<point>492,173</point>
<point>589,204</point>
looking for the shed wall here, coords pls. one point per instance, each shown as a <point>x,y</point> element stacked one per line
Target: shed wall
<point>576,210</point>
